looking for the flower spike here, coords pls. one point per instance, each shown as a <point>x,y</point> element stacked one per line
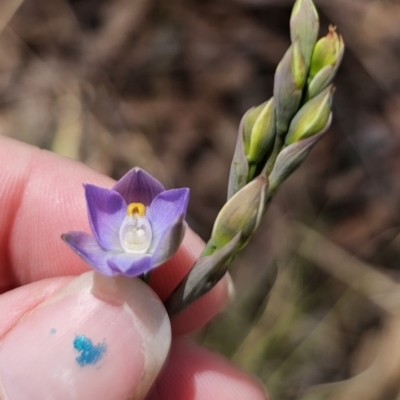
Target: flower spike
<point>274,139</point>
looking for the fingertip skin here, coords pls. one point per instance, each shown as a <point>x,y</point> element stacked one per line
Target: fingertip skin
<point>79,344</point>
<point>43,196</point>
<point>193,373</point>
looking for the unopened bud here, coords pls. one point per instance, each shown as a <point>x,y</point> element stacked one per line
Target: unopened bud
<point>299,69</point>
<point>291,157</point>
<point>328,51</point>
<point>320,81</point>
<point>304,27</point>
<point>259,131</point>
<point>203,276</point>
<point>290,77</point>
<point>325,62</point>
<point>311,118</point>
<point>239,166</point>
<point>242,213</point>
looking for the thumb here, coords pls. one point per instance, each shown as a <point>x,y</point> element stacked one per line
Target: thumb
<point>96,338</point>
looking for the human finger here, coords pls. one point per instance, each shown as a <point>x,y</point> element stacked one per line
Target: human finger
<point>109,343</point>
<point>194,373</point>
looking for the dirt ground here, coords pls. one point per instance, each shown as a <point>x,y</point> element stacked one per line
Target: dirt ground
<point>162,84</point>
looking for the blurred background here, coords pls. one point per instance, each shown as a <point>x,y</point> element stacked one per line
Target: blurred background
<point>162,84</point>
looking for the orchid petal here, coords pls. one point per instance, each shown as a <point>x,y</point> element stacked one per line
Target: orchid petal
<point>164,210</point>
<point>107,210</point>
<point>130,265</point>
<point>166,215</point>
<point>89,250</point>
<point>137,186</point>
<point>169,242</point>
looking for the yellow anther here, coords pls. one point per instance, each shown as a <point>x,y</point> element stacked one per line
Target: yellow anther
<point>136,209</point>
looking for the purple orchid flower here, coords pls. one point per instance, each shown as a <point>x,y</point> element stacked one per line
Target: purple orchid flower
<point>137,225</point>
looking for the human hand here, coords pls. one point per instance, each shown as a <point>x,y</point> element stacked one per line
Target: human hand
<point>60,341</point>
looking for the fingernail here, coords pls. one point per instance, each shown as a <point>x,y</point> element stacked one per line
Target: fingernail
<point>97,338</point>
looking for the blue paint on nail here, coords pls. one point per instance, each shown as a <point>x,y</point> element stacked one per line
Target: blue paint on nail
<point>53,331</point>
<point>90,353</point>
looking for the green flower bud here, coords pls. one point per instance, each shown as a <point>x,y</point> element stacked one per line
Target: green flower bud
<point>328,51</point>
<point>259,131</point>
<point>291,157</point>
<point>242,213</point>
<point>203,276</point>
<point>304,26</point>
<point>326,59</point>
<point>323,79</point>
<point>299,69</point>
<point>290,77</point>
<point>311,118</point>
<point>239,166</point>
